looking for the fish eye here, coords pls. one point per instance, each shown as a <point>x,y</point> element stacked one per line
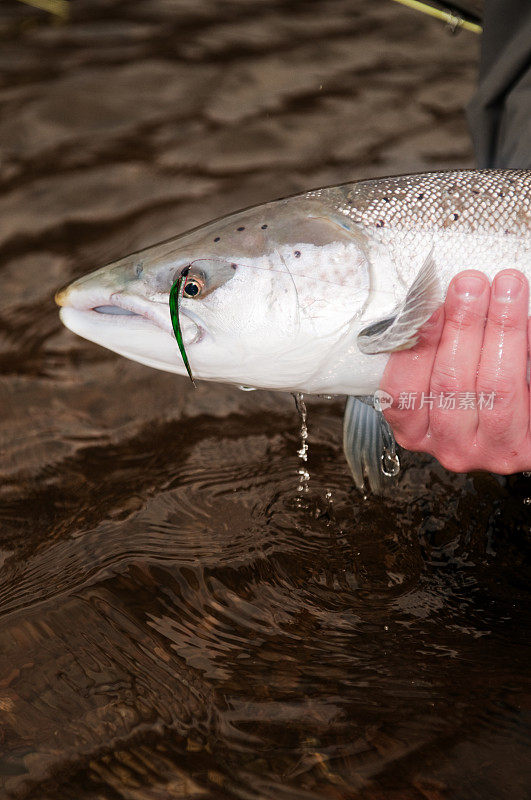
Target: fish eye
<point>193,287</point>
<point>200,278</point>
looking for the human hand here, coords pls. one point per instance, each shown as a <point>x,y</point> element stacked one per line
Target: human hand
<point>478,343</point>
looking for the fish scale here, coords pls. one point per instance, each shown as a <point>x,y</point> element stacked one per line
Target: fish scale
<point>460,200</point>
<point>471,219</point>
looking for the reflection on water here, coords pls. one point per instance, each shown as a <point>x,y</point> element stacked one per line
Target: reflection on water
<point>178,619</point>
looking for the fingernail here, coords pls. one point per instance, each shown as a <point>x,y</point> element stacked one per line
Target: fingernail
<point>469,286</point>
<point>507,287</point>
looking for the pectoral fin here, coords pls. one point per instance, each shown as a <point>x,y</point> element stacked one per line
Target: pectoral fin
<point>400,330</point>
<point>369,446</point>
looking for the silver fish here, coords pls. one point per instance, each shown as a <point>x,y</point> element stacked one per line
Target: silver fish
<point>311,293</point>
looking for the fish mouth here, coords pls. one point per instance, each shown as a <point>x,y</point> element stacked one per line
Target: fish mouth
<point>130,325</point>
<point>114,310</point>
<point>117,306</point>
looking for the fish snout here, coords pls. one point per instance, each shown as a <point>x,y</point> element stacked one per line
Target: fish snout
<point>91,290</point>
<point>61,296</point>
<point>81,294</point>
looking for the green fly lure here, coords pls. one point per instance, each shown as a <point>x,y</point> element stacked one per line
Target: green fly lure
<point>176,292</point>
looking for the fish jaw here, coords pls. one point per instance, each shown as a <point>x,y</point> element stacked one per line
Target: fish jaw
<point>137,339</point>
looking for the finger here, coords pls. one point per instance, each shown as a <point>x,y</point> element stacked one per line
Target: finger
<point>407,379</point>
<point>453,415</point>
<point>504,422</point>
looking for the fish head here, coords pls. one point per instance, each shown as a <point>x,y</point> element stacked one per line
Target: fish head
<point>267,294</point>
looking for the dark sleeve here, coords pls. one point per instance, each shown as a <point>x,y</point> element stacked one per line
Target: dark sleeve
<point>500,112</point>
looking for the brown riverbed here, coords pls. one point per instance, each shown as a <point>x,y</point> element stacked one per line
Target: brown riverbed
<point>176,620</point>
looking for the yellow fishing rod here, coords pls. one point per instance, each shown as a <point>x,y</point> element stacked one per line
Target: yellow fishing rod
<point>453,20</point>
<point>59,8</point>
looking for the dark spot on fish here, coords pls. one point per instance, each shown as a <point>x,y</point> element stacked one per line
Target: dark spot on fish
<point>264,227</point>
<point>510,180</point>
<point>420,197</point>
<point>139,269</point>
<point>234,266</point>
<point>501,194</point>
<point>297,254</point>
<point>455,216</point>
<point>380,223</point>
<point>217,238</point>
<point>241,229</point>
<point>475,191</point>
<point>386,200</point>
<point>507,232</point>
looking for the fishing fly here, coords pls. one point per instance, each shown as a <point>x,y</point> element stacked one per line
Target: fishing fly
<point>176,293</point>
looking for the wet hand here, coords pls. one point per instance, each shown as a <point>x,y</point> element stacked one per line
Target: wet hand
<point>461,393</point>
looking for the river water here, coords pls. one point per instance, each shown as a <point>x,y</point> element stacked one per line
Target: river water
<point>178,619</point>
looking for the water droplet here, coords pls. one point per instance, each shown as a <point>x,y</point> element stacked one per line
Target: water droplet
<point>390,464</point>
<point>302,452</point>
